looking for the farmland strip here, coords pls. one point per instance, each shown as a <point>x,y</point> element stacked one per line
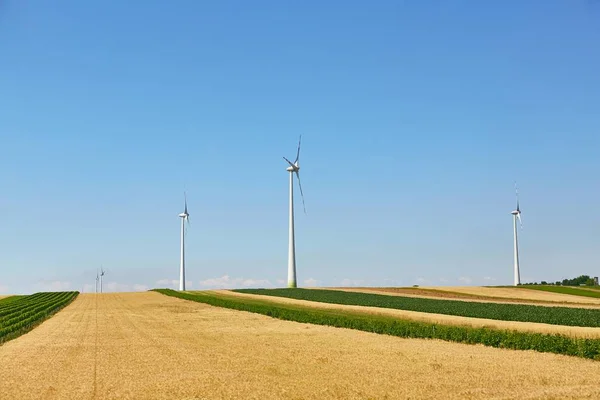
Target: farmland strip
<point>505,312</point>
<point>563,290</point>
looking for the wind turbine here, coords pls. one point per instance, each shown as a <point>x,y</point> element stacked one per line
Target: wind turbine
<point>101,275</point>
<point>294,168</point>
<point>516,215</point>
<point>185,216</point>
<point>97,279</point>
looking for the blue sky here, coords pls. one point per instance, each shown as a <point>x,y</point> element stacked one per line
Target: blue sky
<point>416,116</point>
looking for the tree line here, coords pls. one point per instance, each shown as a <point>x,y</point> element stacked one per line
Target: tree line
<point>582,280</point>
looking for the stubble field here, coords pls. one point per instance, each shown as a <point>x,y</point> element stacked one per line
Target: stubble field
<point>150,346</point>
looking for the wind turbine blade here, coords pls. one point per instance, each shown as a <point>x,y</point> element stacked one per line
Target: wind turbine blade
<point>520,221</point>
<point>185,202</point>
<point>301,194</point>
<point>298,153</point>
<point>289,162</point>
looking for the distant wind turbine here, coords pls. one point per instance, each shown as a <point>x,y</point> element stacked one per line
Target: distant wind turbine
<point>516,215</point>
<point>294,168</point>
<point>97,280</point>
<point>185,216</point>
<point>101,275</point>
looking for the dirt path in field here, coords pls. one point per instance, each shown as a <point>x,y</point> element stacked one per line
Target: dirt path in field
<point>436,293</point>
<point>150,346</point>
<point>575,331</point>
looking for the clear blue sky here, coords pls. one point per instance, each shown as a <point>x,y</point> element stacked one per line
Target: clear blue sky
<point>416,116</point>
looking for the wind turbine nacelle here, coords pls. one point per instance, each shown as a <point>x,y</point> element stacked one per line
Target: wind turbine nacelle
<point>515,212</point>
<point>183,215</point>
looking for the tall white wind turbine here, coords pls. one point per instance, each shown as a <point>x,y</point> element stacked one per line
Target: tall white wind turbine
<point>97,280</point>
<point>294,168</point>
<point>184,217</point>
<point>516,215</point>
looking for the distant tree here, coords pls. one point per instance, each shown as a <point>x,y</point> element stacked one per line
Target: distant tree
<point>544,283</point>
<point>580,280</point>
<point>590,282</point>
<point>557,283</point>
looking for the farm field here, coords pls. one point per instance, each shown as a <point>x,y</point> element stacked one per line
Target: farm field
<point>505,312</point>
<point>571,331</point>
<point>574,291</point>
<point>147,345</point>
<point>517,293</point>
<point>446,294</point>
<point>20,314</point>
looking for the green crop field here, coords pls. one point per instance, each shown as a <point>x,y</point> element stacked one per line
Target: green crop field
<point>20,314</point>
<point>497,311</point>
<point>516,340</point>
<point>9,299</point>
<point>573,290</point>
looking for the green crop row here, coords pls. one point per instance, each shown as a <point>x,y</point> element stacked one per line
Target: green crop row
<point>23,314</point>
<point>564,290</point>
<point>497,311</point>
<point>8,300</point>
<point>559,344</point>
<point>26,303</point>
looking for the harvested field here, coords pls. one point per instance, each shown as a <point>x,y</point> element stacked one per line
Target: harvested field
<point>518,293</point>
<point>445,294</point>
<point>150,346</point>
<point>573,331</point>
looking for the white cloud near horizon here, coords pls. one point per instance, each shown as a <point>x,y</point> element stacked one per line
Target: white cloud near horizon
<point>311,282</point>
<point>52,286</point>
<point>226,282</point>
<point>352,282</point>
<point>173,283</point>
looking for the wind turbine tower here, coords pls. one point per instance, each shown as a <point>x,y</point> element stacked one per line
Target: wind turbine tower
<point>294,168</point>
<point>101,275</point>
<point>185,216</point>
<point>516,215</point>
<point>97,279</point>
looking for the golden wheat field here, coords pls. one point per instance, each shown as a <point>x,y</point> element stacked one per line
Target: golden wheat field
<point>150,346</point>
<point>573,331</point>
